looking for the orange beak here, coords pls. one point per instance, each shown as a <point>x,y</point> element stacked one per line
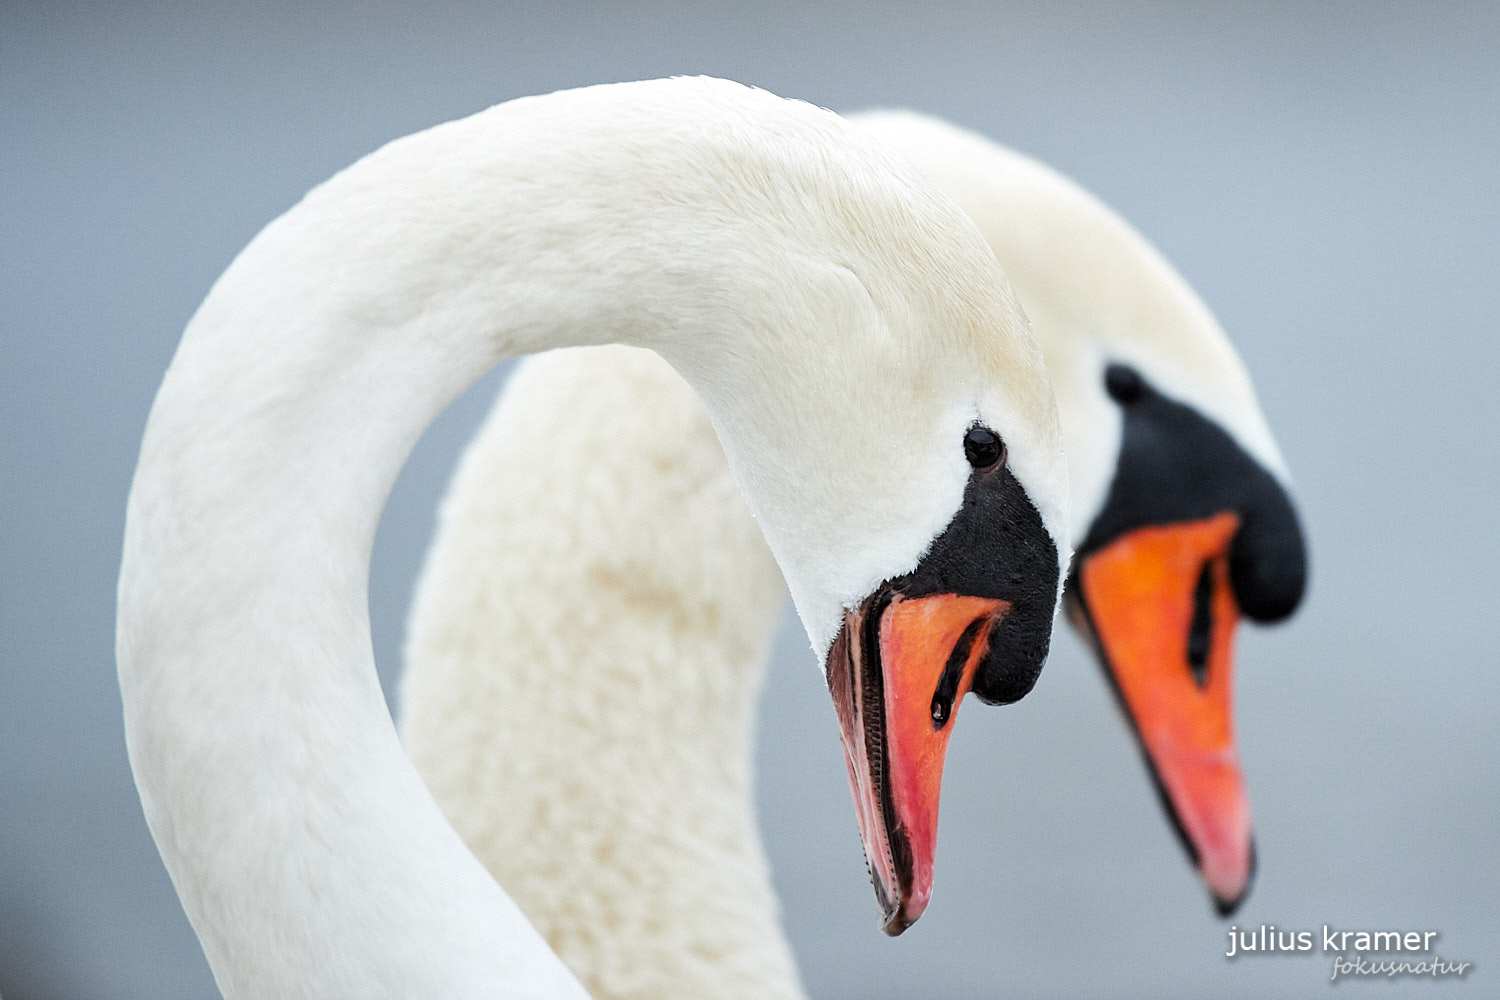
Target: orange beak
<point>1158,605</point>
<point>898,671</point>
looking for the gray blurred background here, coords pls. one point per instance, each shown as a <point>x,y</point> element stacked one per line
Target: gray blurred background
<point>1325,176</point>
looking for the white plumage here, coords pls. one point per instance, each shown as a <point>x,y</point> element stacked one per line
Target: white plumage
<point>590,631</point>
<point>585,653</point>
<point>843,322</point>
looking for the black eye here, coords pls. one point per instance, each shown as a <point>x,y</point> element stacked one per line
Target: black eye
<point>1123,383</point>
<point>983,448</point>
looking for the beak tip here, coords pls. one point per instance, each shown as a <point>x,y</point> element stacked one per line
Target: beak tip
<point>899,911</point>
<point>895,922</point>
<point>1225,908</point>
<point>1226,899</point>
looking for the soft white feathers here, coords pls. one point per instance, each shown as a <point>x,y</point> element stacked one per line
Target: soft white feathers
<point>1095,291</point>
<point>825,301</point>
<point>592,559</point>
<point>586,650</point>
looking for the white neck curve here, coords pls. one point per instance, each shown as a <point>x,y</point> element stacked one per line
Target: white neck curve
<point>309,856</point>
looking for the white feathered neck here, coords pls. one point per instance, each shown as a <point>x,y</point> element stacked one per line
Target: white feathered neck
<point>748,239</point>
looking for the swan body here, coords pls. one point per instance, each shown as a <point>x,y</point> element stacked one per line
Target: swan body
<point>638,857</point>
<point>844,325</point>
<point>586,651</point>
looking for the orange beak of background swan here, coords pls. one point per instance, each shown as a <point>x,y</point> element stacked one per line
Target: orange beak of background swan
<point>1158,604</point>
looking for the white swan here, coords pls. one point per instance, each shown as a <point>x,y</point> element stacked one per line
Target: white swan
<point>1180,502</point>
<point>593,533</point>
<point>856,345</point>
<point>585,651</point>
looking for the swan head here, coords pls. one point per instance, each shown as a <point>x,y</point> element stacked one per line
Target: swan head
<point>920,523</point>
<point>973,614</point>
<point>1192,534</point>
<point>1179,494</point>
<point>906,468</point>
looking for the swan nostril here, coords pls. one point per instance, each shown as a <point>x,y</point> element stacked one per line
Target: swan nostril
<point>1201,632</point>
<point>953,672</point>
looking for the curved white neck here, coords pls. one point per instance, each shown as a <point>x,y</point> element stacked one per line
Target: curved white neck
<point>308,854</point>
<point>310,857</point>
